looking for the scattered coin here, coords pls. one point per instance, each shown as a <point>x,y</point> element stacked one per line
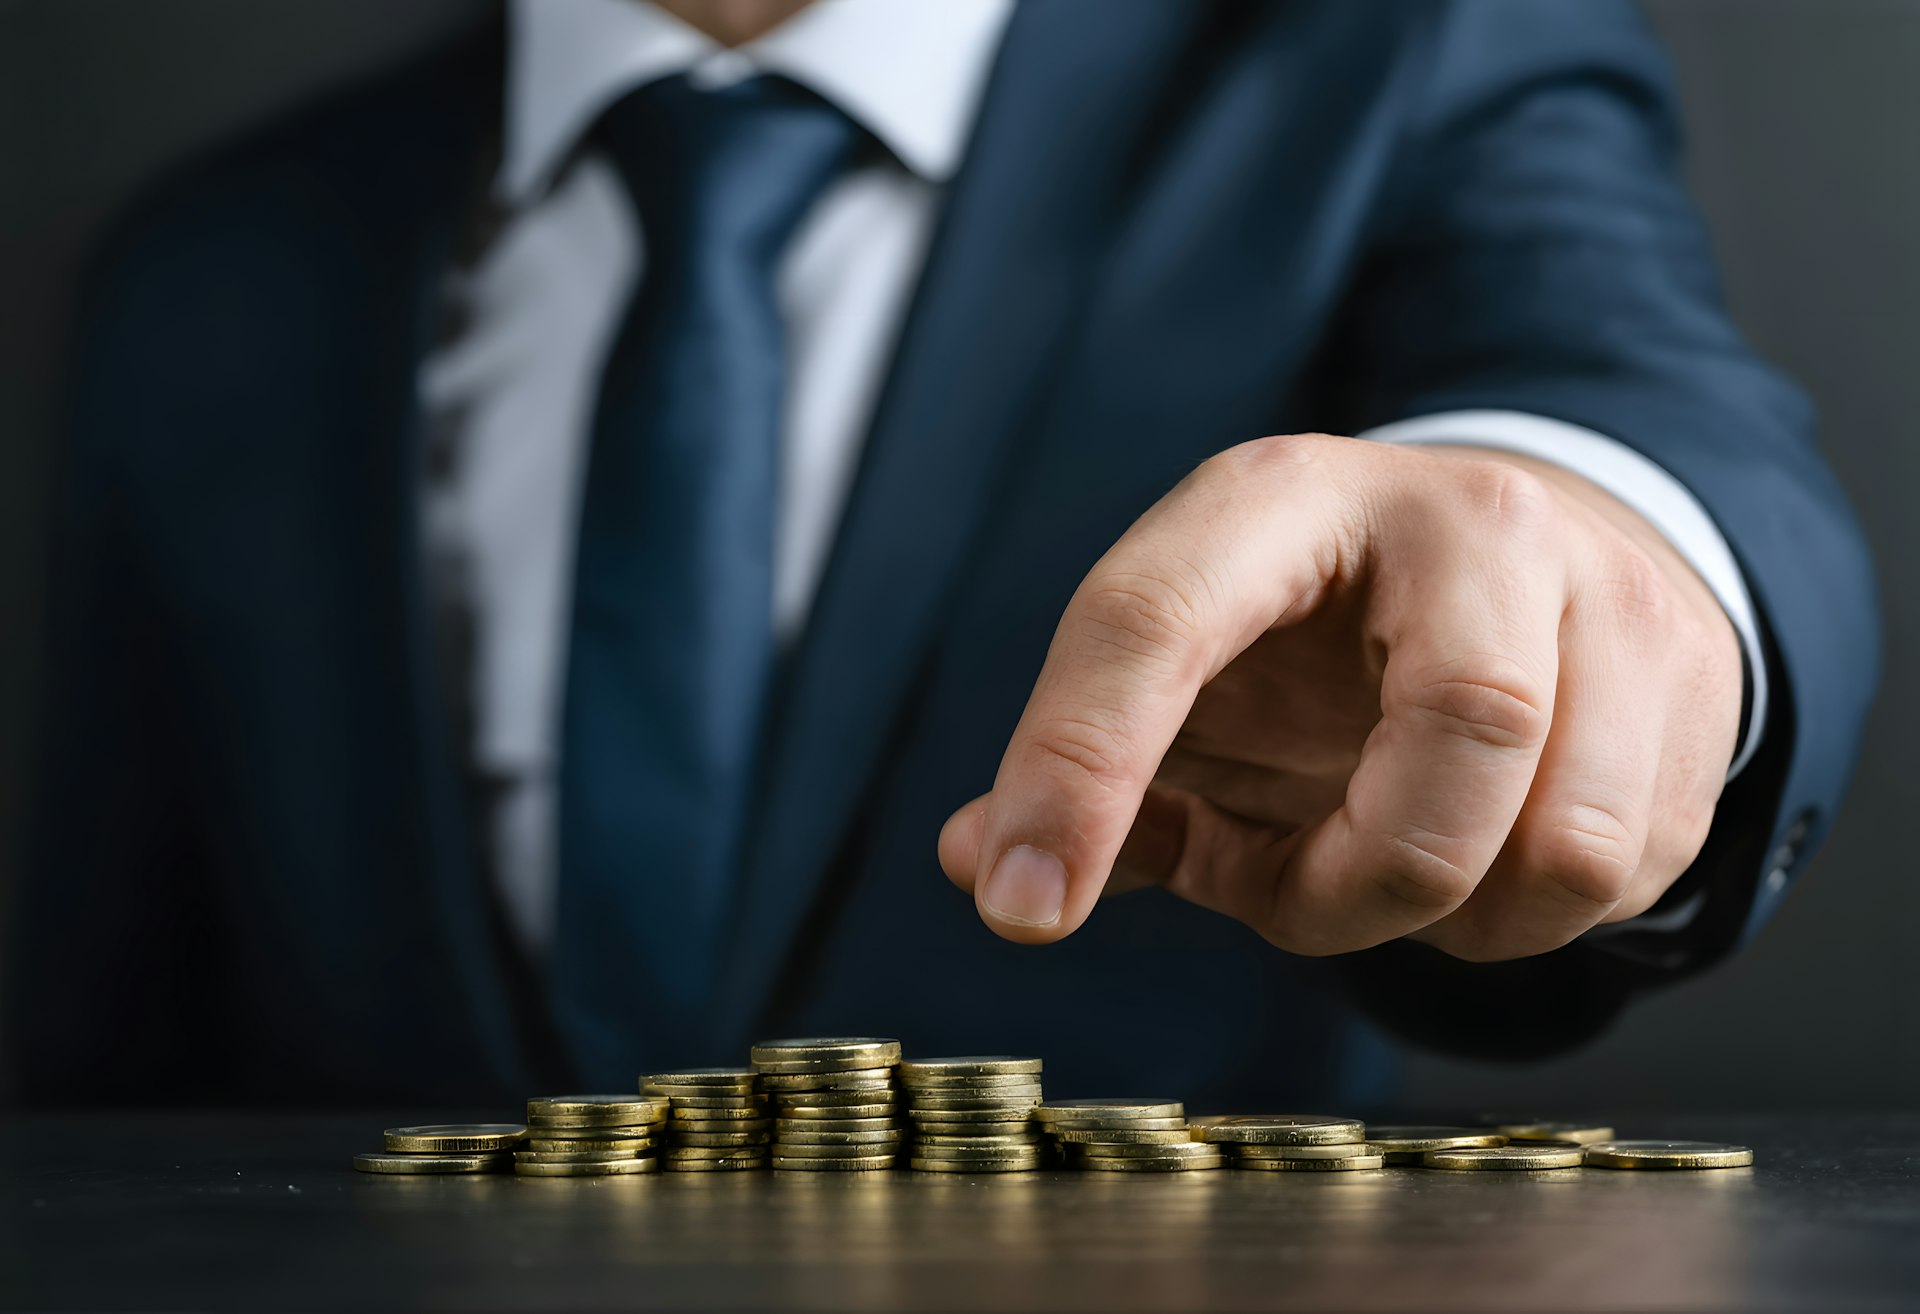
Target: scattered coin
<point>455,1138</point>
<point>1667,1154</point>
<point>1407,1144</point>
<point>1281,1129</point>
<point>432,1163</point>
<point>1165,1158</point>
<point>1518,1155</point>
<point>1579,1133</point>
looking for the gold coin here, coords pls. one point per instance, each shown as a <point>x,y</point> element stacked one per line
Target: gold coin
<point>599,1145</point>
<point>891,1136</point>
<point>612,1110</point>
<point>561,1122</point>
<point>1579,1133</point>
<point>846,1079</point>
<point>1134,1150</point>
<point>1508,1157</point>
<point>573,1156</point>
<point>1119,1135</point>
<point>858,1163</point>
<point>717,1112</point>
<point>1108,1113</point>
<point>643,1132</point>
<point>1037,1153</point>
<point>1667,1154</point>
<point>1014,1142</point>
<point>1013,1081</point>
<point>731,1164</point>
<point>826,1054</point>
<point>972,1065</point>
<point>719,1140</point>
<point>702,1080</point>
<point>455,1138</point>
<point>962,1103</point>
<point>1281,1129</point>
<point>702,1126</point>
<point>1406,1144</point>
<point>925,1165</point>
<point>1055,1126</point>
<point>1313,1159</point>
<point>1157,1164</point>
<point>432,1163</point>
<point>785,1126</point>
<point>835,1112</point>
<point>816,1150</point>
<point>606,1168</point>
<point>1017,1114</point>
<point>713,1151</point>
<point>1259,1150</point>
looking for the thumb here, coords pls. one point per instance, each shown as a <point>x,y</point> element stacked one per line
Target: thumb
<point>1212,566</point>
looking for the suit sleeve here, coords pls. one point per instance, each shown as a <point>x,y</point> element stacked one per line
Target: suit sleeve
<point>1535,252</point>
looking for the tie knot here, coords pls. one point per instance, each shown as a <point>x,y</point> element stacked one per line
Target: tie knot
<point>734,167</point>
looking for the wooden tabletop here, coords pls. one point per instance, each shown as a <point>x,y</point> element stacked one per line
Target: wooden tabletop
<point>117,1210</point>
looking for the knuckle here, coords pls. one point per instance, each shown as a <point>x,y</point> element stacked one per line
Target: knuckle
<point>1145,617</point>
<point>1279,453</point>
<point>1484,698</point>
<point>1508,500</point>
<point>1082,747</point>
<point>1592,856</point>
<point>1637,596</point>
<point>1415,872</point>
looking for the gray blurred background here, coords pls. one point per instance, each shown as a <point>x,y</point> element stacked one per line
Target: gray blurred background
<point>1805,120</point>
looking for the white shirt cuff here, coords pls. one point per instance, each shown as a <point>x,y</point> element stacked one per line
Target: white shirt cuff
<point>1660,499</point>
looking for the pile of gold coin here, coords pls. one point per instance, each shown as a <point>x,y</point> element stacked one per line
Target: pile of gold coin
<point>592,1136</point>
<point>850,1103</point>
<point>1127,1136</point>
<point>835,1102</point>
<point>718,1121</point>
<point>479,1147</point>
<point>974,1114</point>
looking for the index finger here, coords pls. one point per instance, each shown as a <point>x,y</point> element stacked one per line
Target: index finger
<point>1251,536</point>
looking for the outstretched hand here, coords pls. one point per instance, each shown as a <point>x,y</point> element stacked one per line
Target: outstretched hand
<point>1345,692</point>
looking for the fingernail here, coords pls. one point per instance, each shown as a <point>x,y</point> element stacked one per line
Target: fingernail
<point>1027,886</point>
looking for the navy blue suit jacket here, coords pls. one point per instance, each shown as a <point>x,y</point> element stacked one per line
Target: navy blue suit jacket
<point>1178,226</point>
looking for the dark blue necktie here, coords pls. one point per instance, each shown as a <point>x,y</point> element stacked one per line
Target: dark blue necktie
<point>671,645</point>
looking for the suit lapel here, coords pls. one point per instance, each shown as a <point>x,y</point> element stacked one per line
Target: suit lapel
<point>1060,141</point>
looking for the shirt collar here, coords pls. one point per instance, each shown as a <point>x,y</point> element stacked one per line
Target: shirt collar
<point>910,73</point>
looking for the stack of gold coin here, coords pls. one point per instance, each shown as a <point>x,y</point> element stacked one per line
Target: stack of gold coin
<point>479,1147</point>
<point>1290,1142</point>
<point>834,1100</point>
<point>719,1121</point>
<point>592,1136</point>
<point>1130,1136</point>
<point>974,1114</point>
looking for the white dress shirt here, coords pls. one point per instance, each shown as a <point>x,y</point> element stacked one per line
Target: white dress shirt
<point>517,388</point>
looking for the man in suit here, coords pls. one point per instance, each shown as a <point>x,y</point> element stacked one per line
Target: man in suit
<point>553,533</point>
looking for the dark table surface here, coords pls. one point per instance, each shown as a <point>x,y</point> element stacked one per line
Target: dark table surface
<point>115,1211</point>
